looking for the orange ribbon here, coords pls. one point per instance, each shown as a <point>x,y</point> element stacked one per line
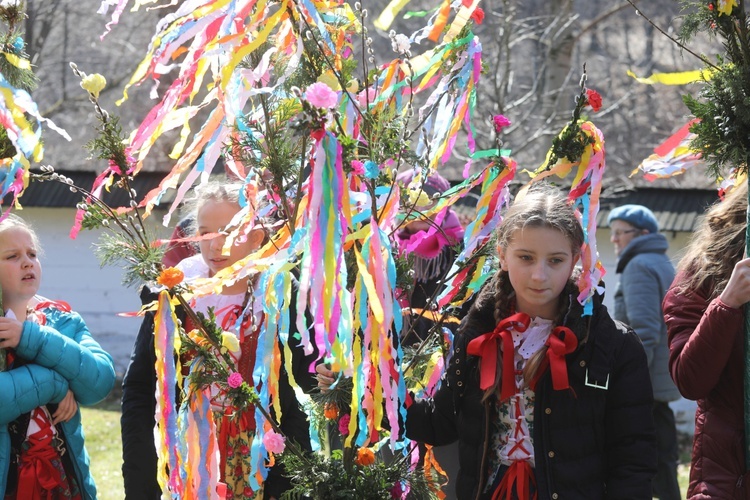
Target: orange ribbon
<point>486,347</point>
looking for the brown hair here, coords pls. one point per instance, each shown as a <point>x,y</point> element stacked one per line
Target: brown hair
<point>542,207</point>
<point>717,245</point>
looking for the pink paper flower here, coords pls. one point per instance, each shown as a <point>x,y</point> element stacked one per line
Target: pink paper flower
<point>366,96</point>
<point>500,122</point>
<point>235,380</point>
<point>344,424</point>
<point>358,167</point>
<point>320,95</point>
<point>274,443</point>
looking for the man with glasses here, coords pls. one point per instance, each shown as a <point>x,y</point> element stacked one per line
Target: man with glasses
<point>645,275</point>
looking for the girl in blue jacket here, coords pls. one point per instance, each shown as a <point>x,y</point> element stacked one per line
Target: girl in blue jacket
<point>50,364</point>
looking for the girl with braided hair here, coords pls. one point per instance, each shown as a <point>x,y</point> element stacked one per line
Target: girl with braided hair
<point>545,402</point>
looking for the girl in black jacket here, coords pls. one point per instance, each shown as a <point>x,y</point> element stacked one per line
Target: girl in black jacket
<point>545,402</point>
<point>216,206</point>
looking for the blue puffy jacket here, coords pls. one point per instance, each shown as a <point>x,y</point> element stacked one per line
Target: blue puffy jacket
<point>58,356</point>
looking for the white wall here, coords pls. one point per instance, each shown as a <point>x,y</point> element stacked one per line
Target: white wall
<point>71,272</point>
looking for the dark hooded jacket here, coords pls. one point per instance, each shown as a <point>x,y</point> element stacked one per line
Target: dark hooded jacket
<point>594,441</point>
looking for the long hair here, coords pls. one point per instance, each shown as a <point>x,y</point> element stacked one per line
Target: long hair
<point>541,207</point>
<point>716,246</point>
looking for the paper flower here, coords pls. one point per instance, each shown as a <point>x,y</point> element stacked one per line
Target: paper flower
<point>594,99</point>
<point>400,43</point>
<point>397,491</point>
<point>478,15</point>
<point>320,95</point>
<point>344,424</point>
<point>331,411</point>
<point>230,341</point>
<point>365,457</point>
<point>235,380</point>
<point>273,442</point>
<point>358,167</point>
<point>170,277</point>
<point>500,122</point>
<point>93,84</point>
<point>366,96</point>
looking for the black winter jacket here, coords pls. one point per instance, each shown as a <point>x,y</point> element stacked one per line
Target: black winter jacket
<point>139,404</point>
<point>594,441</point>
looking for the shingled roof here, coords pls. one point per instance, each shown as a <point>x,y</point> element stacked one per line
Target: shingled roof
<point>58,195</point>
<point>675,209</point>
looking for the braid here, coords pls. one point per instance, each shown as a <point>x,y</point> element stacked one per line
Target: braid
<point>504,296</point>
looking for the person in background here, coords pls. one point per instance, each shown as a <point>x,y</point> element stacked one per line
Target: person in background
<point>52,365</point>
<point>645,274</point>
<point>213,209</point>
<point>705,320</point>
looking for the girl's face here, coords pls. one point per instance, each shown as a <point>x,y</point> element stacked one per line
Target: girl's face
<point>213,217</point>
<point>539,261</point>
<point>20,270</point>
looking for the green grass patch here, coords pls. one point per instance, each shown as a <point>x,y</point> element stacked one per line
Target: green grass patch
<point>101,425</point>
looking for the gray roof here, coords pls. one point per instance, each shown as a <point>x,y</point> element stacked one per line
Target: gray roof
<point>58,195</point>
<point>675,209</point>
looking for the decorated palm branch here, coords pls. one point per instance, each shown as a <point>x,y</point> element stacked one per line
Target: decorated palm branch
<point>314,123</point>
<point>716,136</point>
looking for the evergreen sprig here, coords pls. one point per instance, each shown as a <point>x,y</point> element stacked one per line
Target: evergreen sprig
<point>723,104</point>
<point>328,477</point>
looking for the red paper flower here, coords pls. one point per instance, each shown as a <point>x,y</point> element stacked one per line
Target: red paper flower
<point>594,99</point>
<point>478,15</point>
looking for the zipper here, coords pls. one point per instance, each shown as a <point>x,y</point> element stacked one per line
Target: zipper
<point>483,466</point>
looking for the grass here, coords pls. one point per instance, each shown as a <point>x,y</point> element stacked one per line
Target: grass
<point>102,427</point>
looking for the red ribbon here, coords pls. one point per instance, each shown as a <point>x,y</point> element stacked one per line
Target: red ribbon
<point>521,475</point>
<point>38,478</point>
<point>486,347</point>
<point>562,341</point>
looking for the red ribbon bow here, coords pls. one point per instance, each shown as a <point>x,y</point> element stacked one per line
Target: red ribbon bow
<point>486,347</point>
<point>562,341</point>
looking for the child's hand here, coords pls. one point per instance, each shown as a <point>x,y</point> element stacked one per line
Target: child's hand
<point>10,332</point>
<point>737,291</point>
<point>325,377</point>
<point>66,409</point>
